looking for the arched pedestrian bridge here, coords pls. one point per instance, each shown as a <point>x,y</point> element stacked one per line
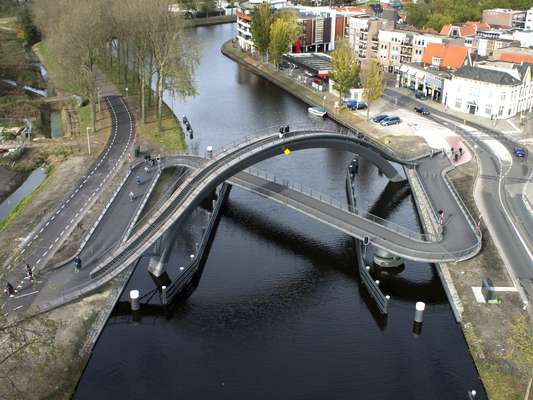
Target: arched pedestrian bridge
<point>459,241</point>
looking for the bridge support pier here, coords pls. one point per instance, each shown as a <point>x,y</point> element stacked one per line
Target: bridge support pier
<point>383,258</point>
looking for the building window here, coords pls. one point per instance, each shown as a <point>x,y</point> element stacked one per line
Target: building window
<point>500,111</point>
<point>502,96</point>
<point>436,61</point>
<point>458,102</point>
<point>488,109</point>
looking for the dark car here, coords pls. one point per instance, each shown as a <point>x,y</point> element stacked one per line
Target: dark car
<point>519,152</point>
<point>422,110</point>
<point>421,96</point>
<point>379,118</point>
<point>390,121</point>
<point>355,105</point>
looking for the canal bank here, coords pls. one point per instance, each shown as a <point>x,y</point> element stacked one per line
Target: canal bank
<point>487,340</point>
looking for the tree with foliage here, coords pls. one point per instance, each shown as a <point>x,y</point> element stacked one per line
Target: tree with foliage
<point>260,27</point>
<point>345,74</point>
<point>280,38</point>
<point>372,80</point>
<point>292,17</point>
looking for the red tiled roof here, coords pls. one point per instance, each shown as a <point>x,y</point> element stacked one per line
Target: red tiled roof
<point>451,56</point>
<point>362,9</point>
<point>465,29</point>
<point>516,58</point>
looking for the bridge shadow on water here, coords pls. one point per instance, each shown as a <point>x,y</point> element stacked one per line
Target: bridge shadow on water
<point>330,260</point>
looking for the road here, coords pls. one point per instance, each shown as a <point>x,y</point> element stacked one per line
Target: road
<point>498,192</point>
<point>51,233</point>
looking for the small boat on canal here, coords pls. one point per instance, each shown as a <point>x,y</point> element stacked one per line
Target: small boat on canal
<point>318,111</point>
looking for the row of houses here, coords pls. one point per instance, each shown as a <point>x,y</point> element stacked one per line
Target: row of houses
<point>483,68</point>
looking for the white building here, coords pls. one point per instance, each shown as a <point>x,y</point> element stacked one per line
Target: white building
<point>420,42</point>
<point>529,20</point>
<point>490,90</point>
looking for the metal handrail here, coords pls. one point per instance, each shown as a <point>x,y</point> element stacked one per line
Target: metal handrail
<point>401,230</point>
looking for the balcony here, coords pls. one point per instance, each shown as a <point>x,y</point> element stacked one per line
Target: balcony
<point>407,52</point>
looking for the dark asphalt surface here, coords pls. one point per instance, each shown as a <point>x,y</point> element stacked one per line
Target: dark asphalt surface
<point>50,234</point>
<point>492,195</point>
<point>460,239</point>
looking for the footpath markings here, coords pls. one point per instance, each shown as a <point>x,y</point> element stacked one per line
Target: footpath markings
<point>87,203</point>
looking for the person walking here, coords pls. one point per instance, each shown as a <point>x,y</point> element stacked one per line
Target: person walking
<point>29,273</point>
<point>77,263</point>
<point>132,196</point>
<point>138,180</point>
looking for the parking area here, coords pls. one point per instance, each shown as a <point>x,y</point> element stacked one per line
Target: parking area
<point>436,135</point>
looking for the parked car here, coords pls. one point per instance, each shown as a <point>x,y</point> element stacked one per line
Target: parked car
<point>379,118</point>
<point>421,95</point>
<point>355,105</point>
<point>519,152</point>
<point>422,110</point>
<point>390,121</point>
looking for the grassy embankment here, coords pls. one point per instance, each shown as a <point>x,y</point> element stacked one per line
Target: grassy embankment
<point>55,75</point>
<point>16,65</point>
<point>170,140</point>
<point>500,337</point>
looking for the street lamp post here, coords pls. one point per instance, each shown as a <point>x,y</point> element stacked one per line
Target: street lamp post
<point>98,98</point>
<point>88,140</point>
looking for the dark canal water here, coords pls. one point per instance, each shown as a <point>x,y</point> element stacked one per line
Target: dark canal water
<point>279,312</point>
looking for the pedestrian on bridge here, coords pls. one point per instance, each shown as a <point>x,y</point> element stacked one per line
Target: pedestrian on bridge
<point>77,263</point>
<point>441,216</point>
<point>29,273</point>
<point>132,196</point>
<point>138,180</point>
<point>10,290</point>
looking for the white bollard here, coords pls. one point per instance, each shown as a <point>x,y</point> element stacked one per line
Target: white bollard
<point>209,150</point>
<point>419,311</point>
<point>164,295</point>
<point>134,299</point>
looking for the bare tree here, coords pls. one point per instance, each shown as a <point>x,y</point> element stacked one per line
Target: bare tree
<point>175,57</point>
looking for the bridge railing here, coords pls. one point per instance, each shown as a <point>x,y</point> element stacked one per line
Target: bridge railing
<point>315,194</point>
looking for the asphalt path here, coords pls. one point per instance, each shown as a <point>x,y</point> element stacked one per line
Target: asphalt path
<point>51,233</point>
<point>117,219</point>
<point>500,181</point>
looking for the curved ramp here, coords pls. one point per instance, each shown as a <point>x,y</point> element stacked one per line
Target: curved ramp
<point>229,162</point>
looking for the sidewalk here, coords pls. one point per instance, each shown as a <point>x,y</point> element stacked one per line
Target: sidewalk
<point>509,127</point>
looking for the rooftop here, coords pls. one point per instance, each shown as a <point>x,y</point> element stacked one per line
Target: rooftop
<point>451,56</point>
<point>486,75</point>
<point>312,61</point>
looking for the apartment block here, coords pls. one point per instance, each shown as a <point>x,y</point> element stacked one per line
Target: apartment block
<point>504,18</point>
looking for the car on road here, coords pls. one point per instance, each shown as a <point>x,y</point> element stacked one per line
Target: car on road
<point>355,105</point>
<point>422,110</point>
<point>379,118</point>
<point>421,95</point>
<point>519,152</point>
<point>390,121</point>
